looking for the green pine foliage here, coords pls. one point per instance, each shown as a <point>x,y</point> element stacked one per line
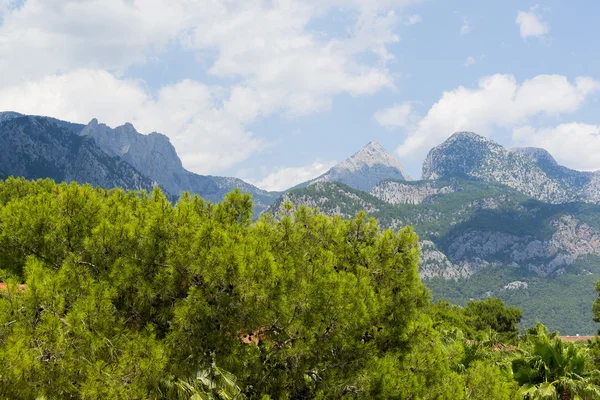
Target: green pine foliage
<point>124,295</point>
<point>561,302</point>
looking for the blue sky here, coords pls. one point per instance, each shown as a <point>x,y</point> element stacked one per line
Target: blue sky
<point>277,91</point>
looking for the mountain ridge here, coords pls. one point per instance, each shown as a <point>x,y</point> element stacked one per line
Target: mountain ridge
<point>530,170</point>
<point>143,161</point>
<point>155,156</point>
<point>36,147</point>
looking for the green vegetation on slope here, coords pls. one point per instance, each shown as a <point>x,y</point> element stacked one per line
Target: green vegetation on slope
<point>561,302</point>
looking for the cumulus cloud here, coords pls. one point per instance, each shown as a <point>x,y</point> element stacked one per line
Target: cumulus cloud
<point>499,100</point>
<point>531,23</point>
<point>67,58</point>
<point>396,116</point>
<point>48,36</point>
<point>469,61</point>
<point>285,178</point>
<point>575,145</point>
<point>207,130</point>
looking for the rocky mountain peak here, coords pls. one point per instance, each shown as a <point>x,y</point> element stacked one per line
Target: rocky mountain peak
<point>460,154</point>
<point>370,155</point>
<point>366,168</point>
<point>531,171</point>
<point>153,155</point>
<point>467,135</point>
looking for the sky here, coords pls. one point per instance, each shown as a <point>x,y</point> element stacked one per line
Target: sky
<point>277,91</point>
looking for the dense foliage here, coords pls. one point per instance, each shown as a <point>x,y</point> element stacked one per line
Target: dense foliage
<point>559,300</point>
<point>124,295</point>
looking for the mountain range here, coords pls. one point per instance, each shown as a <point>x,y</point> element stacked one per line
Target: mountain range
<point>43,147</point>
<point>509,223</point>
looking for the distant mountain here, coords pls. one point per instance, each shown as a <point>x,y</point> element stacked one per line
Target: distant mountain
<point>364,170</point>
<point>45,147</point>
<point>531,171</point>
<point>37,147</point>
<point>73,127</point>
<point>585,184</point>
<point>156,158</point>
<point>5,116</point>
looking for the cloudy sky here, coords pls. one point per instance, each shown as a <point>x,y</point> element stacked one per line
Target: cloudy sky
<point>276,91</point>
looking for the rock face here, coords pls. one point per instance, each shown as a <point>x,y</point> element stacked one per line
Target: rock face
<point>393,192</point>
<point>365,169</point>
<point>151,154</point>
<point>571,240</point>
<point>156,158</point>
<point>435,264</point>
<point>467,225</point>
<point>585,185</point>
<point>37,147</point>
<point>531,171</point>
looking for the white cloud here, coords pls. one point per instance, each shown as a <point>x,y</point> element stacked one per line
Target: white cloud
<point>286,178</point>
<point>261,44</point>
<point>497,101</point>
<point>271,49</point>
<point>413,19</point>
<point>48,36</point>
<point>469,61</point>
<point>531,23</point>
<point>575,145</point>
<point>207,130</point>
<point>396,116</point>
<point>465,27</point>
<point>66,58</point>
<point>5,6</point>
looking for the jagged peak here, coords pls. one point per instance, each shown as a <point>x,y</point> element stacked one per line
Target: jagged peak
<point>371,154</point>
<point>128,126</point>
<point>366,168</point>
<point>373,145</point>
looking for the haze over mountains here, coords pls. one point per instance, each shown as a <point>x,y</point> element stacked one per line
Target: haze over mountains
<point>511,223</point>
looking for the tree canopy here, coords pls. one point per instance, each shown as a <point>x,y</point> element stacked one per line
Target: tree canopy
<point>113,294</point>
